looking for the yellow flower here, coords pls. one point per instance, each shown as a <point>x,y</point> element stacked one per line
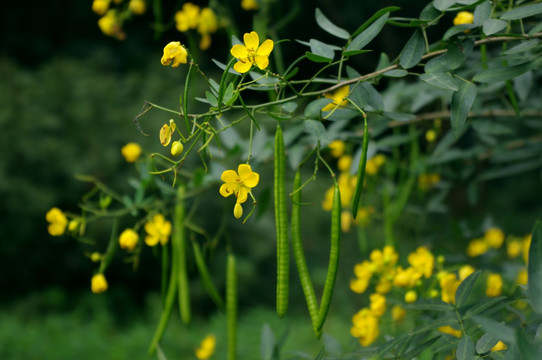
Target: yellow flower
<point>251,53</point>
<point>177,148</point>
<point>137,7</point>
<point>98,284</point>
<point>398,313</point>
<point>477,247</point>
<point>514,248</point>
<point>494,237</point>
<point>522,277</point>
<point>205,42</point>
<point>344,163</point>
<point>175,52</point>
<point>494,285</point>
<point>337,148</point>
<point>406,277</point>
<point>464,17</point>
<point>158,230</point>
<point>237,210</point>
<point>207,23</point>
<point>109,24</point>
<point>448,284</point>
<point>378,304</point>
<point>422,260</point>
<point>206,348</point>
<point>346,221</point>
<point>131,152</point>
<point>338,97</point>
<point>100,7</point>
<point>57,221</point>
<point>359,285</point>
<point>384,286</point>
<point>363,217</point>
<point>249,5</point>
<point>365,327</point>
<point>411,296</point>
<point>187,18</point>
<point>363,270</point>
<point>499,346</point>
<point>450,330</point>
<point>373,164</point>
<point>128,239</point>
<point>239,183</point>
<point>465,271</point>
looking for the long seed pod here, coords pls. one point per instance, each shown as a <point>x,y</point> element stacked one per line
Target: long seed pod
<point>231,306</point>
<point>299,254</point>
<point>168,306</point>
<point>283,254</point>
<point>179,246</point>
<point>361,171</point>
<point>206,277</point>
<point>333,258</point>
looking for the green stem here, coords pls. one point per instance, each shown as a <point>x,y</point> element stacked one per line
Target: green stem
<point>179,246</point>
<point>231,306</point>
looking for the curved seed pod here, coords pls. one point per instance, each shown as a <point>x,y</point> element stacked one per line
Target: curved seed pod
<point>299,254</point>
<point>179,246</point>
<point>361,171</point>
<point>231,306</point>
<point>283,253</point>
<point>333,258</point>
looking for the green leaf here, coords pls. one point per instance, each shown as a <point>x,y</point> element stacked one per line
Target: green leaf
<point>485,305</point>
<point>328,26</point>
<point>441,80</point>
<point>396,73</point>
<point>211,99</point>
<point>317,58</point>
<point>522,47</point>
<point>442,5</point>
<point>503,73</point>
<point>457,53</point>
<point>413,51</point>
<point>500,331</point>
<point>396,116</point>
<point>313,110</point>
<point>267,343</point>
<point>321,49</point>
<point>333,347</point>
<point>485,343</point>
<point>465,349</point>
<point>482,13</point>
<point>429,13</point>
<point>289,107</point>
<point>458,29</point>
<point>367,35</point>
<point>492,26</point>
<point>522,12</point>
<point>465,288</point>
<point>365,94</point>
<point>375,16</point>
<point>316,128</point>
<point>510,170</point>
<point>228,94</point>
<point>534,269</point>
<point>462,101</point>
<point>431,305</point>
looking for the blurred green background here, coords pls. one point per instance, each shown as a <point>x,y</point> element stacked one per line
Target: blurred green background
<point>68,97</point>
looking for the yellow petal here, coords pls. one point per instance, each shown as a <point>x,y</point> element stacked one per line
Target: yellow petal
<point>261,61</point>
<point>244,170</point>
<point>242,67</point>
<point>239,51</point>
<point>251,40</point>
<point>265,48</point>
<point>151,240</point>
<point>227,189</point>
<point>252,180</point>
<point>165,135</point>
<point>229,176</point>
<point>237,210</point>
<point>242,194</point>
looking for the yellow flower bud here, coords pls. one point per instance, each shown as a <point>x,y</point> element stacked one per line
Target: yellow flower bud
<point>237,210</point>
<point>494,285</point>
<point>131,152</point>
<point>137,7</point>
<point>98,284</point>
<point>337,148</point>
<point>464,17</point>
<point>96,257</point>
<point>411,296</point>
<point>57,221</point>
<point>494,237</point>
<point>128,239</point>
<point>176,148</point>
<point>100,7</point>
<point>344,163</point>
<point>398,313</point>
<point>430,135</point>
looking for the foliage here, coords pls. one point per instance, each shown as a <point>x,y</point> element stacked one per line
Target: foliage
<point>383,142</point>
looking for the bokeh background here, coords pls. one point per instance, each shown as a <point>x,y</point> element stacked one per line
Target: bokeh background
<point>68,97</point>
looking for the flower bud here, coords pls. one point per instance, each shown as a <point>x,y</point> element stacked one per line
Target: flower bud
<point>237,210</point>
<point>176,148</point>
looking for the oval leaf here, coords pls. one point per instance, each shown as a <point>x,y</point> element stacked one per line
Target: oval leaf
<point>267,343</point>
<point>522,12</point>
<point>441,80</point>
<point>367,35</point>
<point>462,101</point>
<point>482,13</point>
<point>485,343</point>
<point>328,26</point>
<point>317,129</point>
<point>534,269</point>
<point>321,49</point>
<point>465,349</point>
<point>492,26</point>
<point>443,4</point>
<point>413,51</point>
<point>503,73</point>
<point>465,288</point>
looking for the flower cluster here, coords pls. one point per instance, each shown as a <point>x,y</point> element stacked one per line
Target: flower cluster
<point>203,20</point>
<point>110,22</point>
<point>166,133</point>
<point>492,239</point>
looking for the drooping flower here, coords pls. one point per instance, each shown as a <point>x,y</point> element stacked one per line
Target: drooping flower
<point>464,17</point>
<point>174,52</point>
<point>158,230</point>
<point>249,5</point>
<point>206,348</point>
<point>252,53</point>
<point>338,97</point>
<point>128,239</point>
<point>98,283</point>
<point>57,221</point>
<point>239,183</point>
<point>131,152</point>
